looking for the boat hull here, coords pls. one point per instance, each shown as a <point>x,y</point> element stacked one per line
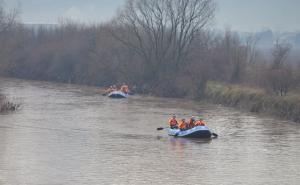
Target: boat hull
<point>196,132</point>
<point>117,94</point>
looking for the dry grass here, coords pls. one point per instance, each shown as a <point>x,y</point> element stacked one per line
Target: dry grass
<point>255,100</point>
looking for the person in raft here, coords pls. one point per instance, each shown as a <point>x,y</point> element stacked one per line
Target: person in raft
<point>173,122</point>
<point>182,125</point>
<point>200,122</point>
<point>109,90</point>
<point>124,88</point>
<point>114,88</point>
<point>191,122</point>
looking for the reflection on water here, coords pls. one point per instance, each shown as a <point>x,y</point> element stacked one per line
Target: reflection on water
<point>68,134</point>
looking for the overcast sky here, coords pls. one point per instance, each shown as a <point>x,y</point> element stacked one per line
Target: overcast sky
<point>241,15</point>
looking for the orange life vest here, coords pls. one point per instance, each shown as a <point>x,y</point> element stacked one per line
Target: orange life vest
<point>124,88</point>
<point>182,125</point>
<point>173,122</point>
<point>200,123</point>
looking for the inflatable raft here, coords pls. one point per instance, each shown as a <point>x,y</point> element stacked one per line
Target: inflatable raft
<point>117,94</point>
<point>196,132</point>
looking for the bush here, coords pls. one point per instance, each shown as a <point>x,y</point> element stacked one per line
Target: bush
<point>5,105</point>
<point>254,100</point>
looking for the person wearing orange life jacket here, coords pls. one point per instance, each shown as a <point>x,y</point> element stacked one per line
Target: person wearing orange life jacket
<point>191,122</point>
<point>182,125</point>
<point>114,88</point>
<point>109,90</point>
<point>173,122</point>
<point>124,88</point>
<point>200,122</point>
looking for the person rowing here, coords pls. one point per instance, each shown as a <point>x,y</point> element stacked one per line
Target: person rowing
<point>191,122</point>
<point>173,122</point>
<point>124,88</point>
<point>109,90</point>
<point>183,125</point>
<point>200,122</point>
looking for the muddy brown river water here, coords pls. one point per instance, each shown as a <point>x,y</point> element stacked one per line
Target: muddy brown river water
<point>70,134</point>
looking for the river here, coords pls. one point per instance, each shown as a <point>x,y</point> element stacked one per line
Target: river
<point>71,134</point>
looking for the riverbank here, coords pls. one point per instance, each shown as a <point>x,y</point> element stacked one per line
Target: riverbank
<point>6,105</point>
<point>254,100</point>
<point>251,99</point>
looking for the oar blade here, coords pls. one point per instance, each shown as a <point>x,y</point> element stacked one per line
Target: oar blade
<point>214,134</point>
<point>160,128</point>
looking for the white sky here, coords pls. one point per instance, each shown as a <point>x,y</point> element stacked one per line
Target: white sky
<point>241,15</point>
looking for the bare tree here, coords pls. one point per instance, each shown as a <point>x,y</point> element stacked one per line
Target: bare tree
<point>162,31</point>
<point>233,56</point>
<point>280,76</point>
<point>7,18</point>
<point>8,36</point>
<point>280,80</point>
<point>251,42</point>
<point>280,54</point>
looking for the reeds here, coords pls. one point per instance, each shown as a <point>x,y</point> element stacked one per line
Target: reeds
<point>5,105</point>
<point>254,100</point>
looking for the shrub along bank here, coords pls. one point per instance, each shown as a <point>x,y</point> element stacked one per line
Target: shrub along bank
<point>255,100</point>
<point>5,105</point>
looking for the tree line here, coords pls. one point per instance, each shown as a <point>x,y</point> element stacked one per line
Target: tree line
<point>163,47</point>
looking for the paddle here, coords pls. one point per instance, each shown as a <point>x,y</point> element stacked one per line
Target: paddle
<point>105,93</point>
<point>161,128</point>
<point>214,134</point>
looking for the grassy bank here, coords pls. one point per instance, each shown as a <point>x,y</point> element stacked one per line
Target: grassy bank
<point>255,100</point>
<point>5,105</point>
